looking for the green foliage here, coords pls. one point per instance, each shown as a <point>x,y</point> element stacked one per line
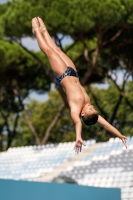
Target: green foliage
<point>19,76</point>
<point>42,114</point>
<point>18,67</point>
<point>77,15</point>
<point>83,20</point>
<point>23,137</point>
<point>107,99</point>
<point>106,25</point>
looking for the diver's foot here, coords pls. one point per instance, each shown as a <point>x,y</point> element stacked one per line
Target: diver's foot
<point>41,25</point>
<point>35,25</point>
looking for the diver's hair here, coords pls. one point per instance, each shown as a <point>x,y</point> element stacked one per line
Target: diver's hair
<point>90,120</point>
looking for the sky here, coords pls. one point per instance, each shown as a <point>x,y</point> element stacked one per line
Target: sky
<point>3,1</point>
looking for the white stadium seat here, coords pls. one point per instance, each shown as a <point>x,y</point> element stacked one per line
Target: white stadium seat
<point>110,165</point>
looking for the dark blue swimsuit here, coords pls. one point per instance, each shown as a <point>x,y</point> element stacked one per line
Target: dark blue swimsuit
<point>69,72</point>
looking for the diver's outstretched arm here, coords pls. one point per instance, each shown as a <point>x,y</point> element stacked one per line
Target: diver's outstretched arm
<point>111,129</point>
<point>78,129</point>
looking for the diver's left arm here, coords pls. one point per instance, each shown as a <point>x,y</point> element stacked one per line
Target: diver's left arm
<point>111,129</point>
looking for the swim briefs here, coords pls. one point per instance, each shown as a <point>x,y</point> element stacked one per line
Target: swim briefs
<point>69,72</point>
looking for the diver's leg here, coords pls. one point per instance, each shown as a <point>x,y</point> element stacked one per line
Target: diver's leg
<point>56,62</point>
<point>52,44</point>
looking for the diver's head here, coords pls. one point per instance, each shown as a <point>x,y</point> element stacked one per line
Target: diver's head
<point>89,115</point>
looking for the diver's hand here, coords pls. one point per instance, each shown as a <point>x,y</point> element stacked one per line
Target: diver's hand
<point>123,138</point>
<point>78,145</point>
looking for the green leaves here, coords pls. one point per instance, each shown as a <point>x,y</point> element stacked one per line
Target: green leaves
<point>102,34</point>
<point>18,65</point>
<point>42,114</point>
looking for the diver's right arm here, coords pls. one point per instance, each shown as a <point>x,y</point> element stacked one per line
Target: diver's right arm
<point>78,129</point>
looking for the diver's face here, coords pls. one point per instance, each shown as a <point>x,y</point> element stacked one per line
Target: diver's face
<point>88,109</point>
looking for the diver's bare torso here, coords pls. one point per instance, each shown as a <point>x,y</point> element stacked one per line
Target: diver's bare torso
<point>76,94</point>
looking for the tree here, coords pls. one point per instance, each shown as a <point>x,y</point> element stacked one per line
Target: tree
<point>16,83</point>
<point>101,32</point>
<point>42,114</point>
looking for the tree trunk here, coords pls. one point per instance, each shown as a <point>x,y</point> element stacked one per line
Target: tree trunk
<point>26,116</point>
<point>0,142</point>
<point>31,127</point>
<point>56,118</point>
<point>11,134</point>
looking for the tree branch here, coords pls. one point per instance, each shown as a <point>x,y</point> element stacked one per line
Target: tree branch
<point>121,91</point>
<point>91,65</point>
<point>52,124</point>
<point>72,45</point>
<point>27,118</point>
<point>113,38</point>
<point>31,127</point>
<point>1,129</point>
<point>13,133</point>
<point>97,103</point>
<point>7,127</point>
<point>116,109</point>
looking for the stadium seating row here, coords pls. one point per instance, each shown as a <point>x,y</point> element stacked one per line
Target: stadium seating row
<point>111,165</point>
<point>108,166</point>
